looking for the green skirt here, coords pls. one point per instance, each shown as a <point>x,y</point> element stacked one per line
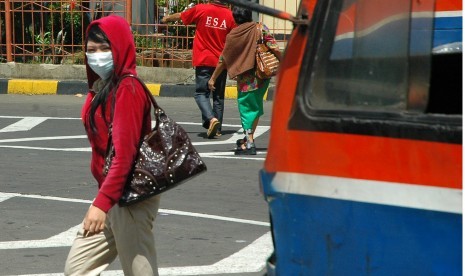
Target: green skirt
<point>251,105</point>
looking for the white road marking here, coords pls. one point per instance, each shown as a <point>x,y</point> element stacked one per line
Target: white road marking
<point>198,124</point>
<point>199,215</point>
<point>25,124</point>
<point>230,155</point>
<point>46,118</point>
<point>65,199</point>
<point>237,135</point>
<point>231,140</point>
<point>42,138</point>
<point>250,259</point>
<point>218,155</point>
<point>28,123</point>
<point>5,196</point>
<point>47,149</point>
<point>64,239</point>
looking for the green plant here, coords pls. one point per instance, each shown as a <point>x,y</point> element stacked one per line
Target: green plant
<point>43,39</point>
<point>66,22</point>
<point>143,41</point>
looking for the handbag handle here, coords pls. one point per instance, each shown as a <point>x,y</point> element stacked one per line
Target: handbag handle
<point>146,89</point>
<point>261,39</point>
<point>157,108</point>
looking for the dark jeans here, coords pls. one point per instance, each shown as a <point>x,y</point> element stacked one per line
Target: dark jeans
<point>202,95</point>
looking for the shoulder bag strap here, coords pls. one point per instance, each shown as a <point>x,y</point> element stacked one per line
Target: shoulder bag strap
<point>147,91</point>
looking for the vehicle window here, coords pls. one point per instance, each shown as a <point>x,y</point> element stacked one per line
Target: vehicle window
<point>372,55</point>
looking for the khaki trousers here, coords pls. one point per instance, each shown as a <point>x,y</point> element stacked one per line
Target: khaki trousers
<point>127,234</point>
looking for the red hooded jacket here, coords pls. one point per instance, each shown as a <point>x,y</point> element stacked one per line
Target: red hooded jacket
<point>131,115</point>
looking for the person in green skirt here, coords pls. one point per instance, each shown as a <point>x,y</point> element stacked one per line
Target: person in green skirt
<point>238,57</point>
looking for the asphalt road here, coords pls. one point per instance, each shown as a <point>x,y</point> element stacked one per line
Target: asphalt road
<point>215,224</point>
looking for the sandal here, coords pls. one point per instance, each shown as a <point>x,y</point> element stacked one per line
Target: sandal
<point>247,151</point>
<point>241,142</point>
<point>213,129</point>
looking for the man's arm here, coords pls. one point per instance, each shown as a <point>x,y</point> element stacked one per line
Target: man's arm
<point>171,18</point>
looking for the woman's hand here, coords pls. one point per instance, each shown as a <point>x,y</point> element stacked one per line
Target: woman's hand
<point>219,68</point>
<point>94,221</point>
<point>211,84</point>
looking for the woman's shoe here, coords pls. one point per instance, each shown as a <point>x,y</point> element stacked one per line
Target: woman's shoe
<point>247,151</point>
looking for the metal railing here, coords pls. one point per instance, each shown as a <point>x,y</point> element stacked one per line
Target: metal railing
<point>53,31</point>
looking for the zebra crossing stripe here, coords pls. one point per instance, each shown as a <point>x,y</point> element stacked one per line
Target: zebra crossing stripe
<point>25,124</point>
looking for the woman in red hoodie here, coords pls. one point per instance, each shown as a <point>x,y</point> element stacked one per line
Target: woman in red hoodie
<point>108,229</point>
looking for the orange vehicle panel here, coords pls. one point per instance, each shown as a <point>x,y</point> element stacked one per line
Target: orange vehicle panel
<point>380,158</point>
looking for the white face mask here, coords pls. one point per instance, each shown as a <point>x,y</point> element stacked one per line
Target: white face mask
<point>101,63</point>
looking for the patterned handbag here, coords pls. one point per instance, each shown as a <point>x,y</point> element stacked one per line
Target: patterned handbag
<point>267,64</point>
<point>166,158</point>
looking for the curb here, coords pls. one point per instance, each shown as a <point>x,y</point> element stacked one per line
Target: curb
<point>72,87</point>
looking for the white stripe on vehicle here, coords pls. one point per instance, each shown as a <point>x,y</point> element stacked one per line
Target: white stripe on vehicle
<point>370,191</point>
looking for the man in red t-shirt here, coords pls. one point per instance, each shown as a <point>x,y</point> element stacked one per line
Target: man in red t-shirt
<point>213,22</point>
